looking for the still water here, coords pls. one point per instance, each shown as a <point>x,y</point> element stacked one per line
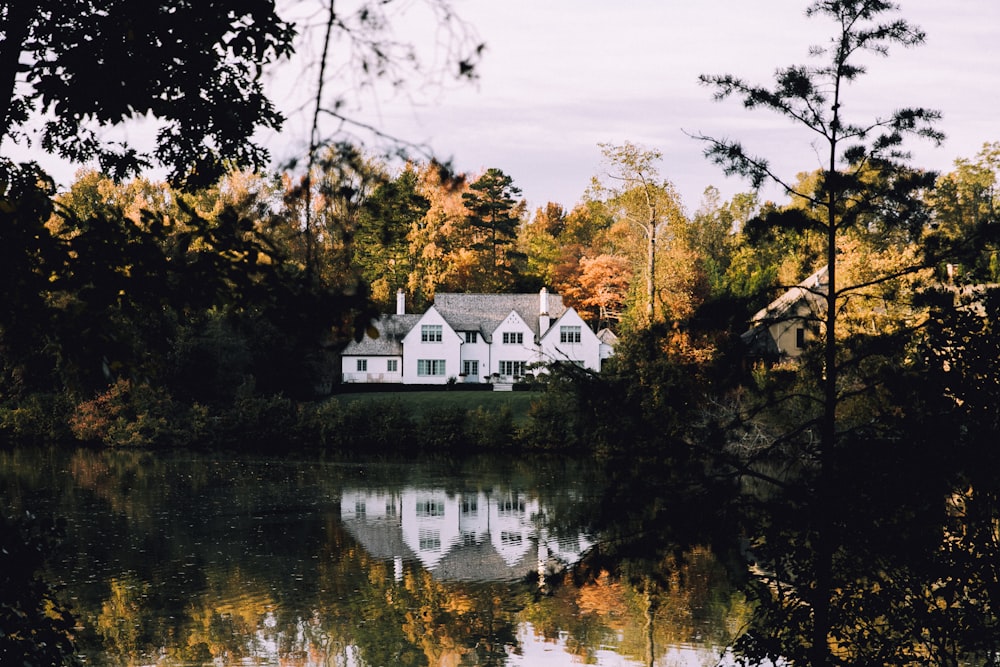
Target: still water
<point>222,560</point>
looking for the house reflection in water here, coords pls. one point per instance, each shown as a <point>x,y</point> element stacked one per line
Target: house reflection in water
<point>477,536</point>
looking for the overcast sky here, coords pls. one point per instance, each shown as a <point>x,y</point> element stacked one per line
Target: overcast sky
<point>560,76</point>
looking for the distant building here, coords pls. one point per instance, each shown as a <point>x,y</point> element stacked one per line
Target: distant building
<point>784,328</point>
<point>473,338</point>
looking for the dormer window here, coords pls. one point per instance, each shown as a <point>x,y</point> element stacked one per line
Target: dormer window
<point>471,337</point>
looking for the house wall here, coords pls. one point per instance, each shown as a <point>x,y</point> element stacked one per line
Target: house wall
<point>377,369</point>
<point>478,352</point>
<point>416,350</point>
<point>523,352</point>
<point>785,332</point>
<point>587,352</point>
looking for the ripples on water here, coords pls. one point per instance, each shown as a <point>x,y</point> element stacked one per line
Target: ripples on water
<point>208,560</point>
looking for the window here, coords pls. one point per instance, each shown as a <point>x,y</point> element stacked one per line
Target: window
<point>430,333</point>
<point>430,366</point>
<point>470,367</point>
<point>569,334</point>
<point>800,337</point>
<point>470,506</point>
<point>430,540</point>
<point>512,368</point>
<point>392,365</point>
<point>511,539</point>
<point>359,509</point>
<point>471,337</point>
<point>513,338</point>
<point>362,365</point>
<point>430,508</point>
<point>511,505</point>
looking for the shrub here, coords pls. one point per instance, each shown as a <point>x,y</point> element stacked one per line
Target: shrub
<point>128,415</point>
<point>37,419</point>
<point>491,430</point>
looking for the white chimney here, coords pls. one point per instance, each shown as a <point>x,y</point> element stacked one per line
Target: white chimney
<point>543,312</point>
<point>400,302</point>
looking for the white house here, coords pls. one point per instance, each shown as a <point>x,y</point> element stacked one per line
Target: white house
<point>473,338</point>
<point>788,324</point>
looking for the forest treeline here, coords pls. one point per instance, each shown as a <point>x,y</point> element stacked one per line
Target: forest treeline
<point>133,308</point>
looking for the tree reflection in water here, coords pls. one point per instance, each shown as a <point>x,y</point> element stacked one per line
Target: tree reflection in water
<point>196,559</point>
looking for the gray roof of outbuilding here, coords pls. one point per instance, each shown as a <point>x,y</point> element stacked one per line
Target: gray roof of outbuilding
<point>485,312</point>
<point>391,330</point>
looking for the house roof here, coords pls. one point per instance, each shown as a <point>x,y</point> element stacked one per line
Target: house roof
<point>607,336</point>
<point>811,289</point>
<point>390,330</point>
<point>759,338</point>
<point>485,312</point>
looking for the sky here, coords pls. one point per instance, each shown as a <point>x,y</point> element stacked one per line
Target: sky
<point>558,77</point>
<point>561,76</point>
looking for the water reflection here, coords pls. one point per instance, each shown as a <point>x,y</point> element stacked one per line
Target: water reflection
<point>191,560</point>
<point>488,535</point>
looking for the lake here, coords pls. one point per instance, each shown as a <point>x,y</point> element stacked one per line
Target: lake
<point>196,559</point>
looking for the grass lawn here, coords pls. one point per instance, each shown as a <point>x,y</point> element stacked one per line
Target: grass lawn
<point>422,401</point>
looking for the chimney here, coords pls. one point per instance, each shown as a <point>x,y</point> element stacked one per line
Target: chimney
<point>543,312</point>
<point>400,302</point>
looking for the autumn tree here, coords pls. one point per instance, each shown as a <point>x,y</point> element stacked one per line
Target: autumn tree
<point>863,189</point>
<point>494,212</point>
<point>603,286</point>
<point>649,204</point>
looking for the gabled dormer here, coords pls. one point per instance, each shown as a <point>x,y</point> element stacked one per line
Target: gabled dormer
<point>431,351</point>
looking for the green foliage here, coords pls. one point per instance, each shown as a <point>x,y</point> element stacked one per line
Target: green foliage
<point>493,211</point>
<point>195,67</point>
<point>35,627</point>
<point>36,419</point>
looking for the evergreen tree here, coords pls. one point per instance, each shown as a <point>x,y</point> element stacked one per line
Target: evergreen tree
<point>494,211</point>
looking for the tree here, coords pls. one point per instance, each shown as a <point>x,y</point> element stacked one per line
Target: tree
<point>494,212</point>
<point>381,248</point>
<point>196,67</point>
<point>603,285</point>
<point>863,189</point>
<point>649,204</point>
<point>966,203</point>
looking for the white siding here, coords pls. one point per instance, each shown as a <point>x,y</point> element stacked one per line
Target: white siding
<point>586,352</point>
<point>478,353</point>
<point>519,348</point>
<point>415,351</point>
<point>376,369</point>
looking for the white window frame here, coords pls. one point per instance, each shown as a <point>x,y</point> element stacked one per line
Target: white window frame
<point>392,365</point>
<point>431,333</point>
<point>430,367</point>
<point>362,366</point>
<point>470,367</point>
<point>570,334</point>
<point>513,338</point>
<point>471,336</point>
<point>512,368</point>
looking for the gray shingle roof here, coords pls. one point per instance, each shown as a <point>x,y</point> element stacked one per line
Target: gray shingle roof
<point>391,331</point>
<point>485,312</point>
